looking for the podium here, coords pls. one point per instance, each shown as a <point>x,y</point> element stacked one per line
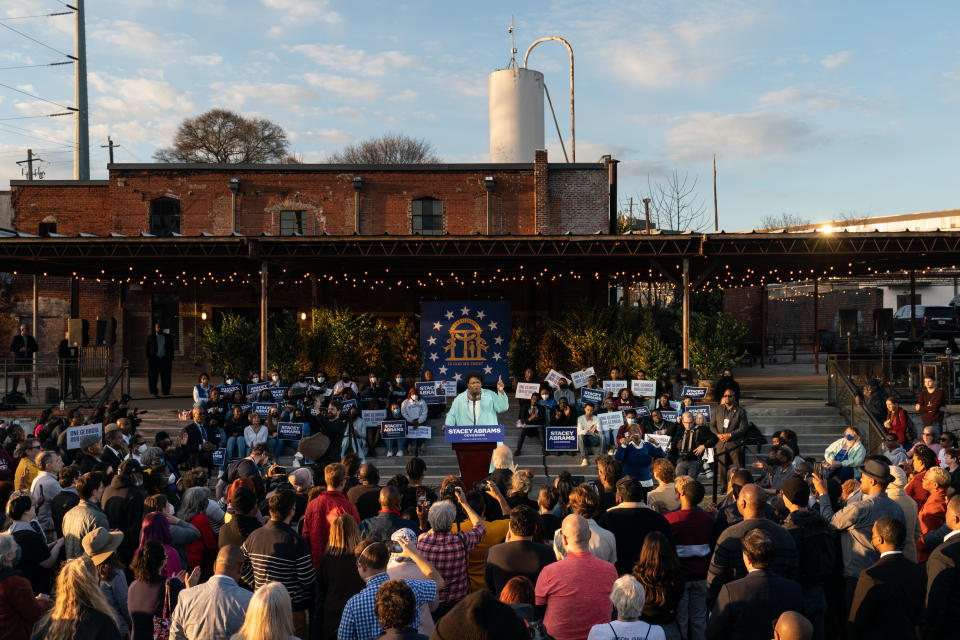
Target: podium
<point>474,445</point>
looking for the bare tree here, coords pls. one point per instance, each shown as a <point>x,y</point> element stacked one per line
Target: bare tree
<point>849,218</point>
<point>390,148</point>
<point>675,203</point>
<point>782,220</point>
<point>222,136</point>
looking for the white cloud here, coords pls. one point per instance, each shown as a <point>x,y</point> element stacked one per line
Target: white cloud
<point>407,95</point>
<point>345,87</point>
<point>237,95</point>
<point>339,57</point>
<point>138,97</point>
<point>137,39</point>
<point>836,60</point>
<point>328,136</point>
<point>751,135</point>
<point>302,11</point>
<point>209,60</point>
<point>814,100</point>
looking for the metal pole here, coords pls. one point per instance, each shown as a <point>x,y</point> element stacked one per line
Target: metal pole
<point>913,305</point>
<point>81,153</point>
<point>763,325</point>
<point>573,132</point>
<point>686,313</point>
<point>646,211</point>
<point>716,218</point>
<point>36,328</point>
<point>263,318</point>
<point>816,326</point>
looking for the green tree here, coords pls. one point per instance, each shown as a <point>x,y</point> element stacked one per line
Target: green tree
<point>284,348</point>
<point>714,343</point>
<point>649,352</point>
<point>229,346</point>
<point>406,354</point>
<point>339,340</point>
<point>523,351</point>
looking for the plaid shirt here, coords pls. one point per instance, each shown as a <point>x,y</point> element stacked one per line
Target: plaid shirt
<point>448,553</point>
<point>359,620</point>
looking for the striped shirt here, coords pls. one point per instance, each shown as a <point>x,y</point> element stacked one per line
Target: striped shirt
<point>275,553</point>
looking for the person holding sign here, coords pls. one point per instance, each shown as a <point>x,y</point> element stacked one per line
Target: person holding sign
<point>532,419</point>
<point>588,429</point>
<point>637,454</point>
<point>414,411</point>
<point>689,445</point>
<point>399,444</point>
<point>625,400</point>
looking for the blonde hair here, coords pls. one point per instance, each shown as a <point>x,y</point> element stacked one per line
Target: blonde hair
<point>344,536</point>
<point>77,590</point>
<point>269,615</point>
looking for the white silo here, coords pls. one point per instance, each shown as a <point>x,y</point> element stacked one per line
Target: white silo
<point>516,114</point>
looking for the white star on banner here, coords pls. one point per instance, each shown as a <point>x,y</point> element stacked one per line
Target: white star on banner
<point>457,377</point>
<point>433,356</point>
<point>442,370</point>
<point>432,340</point>
<point>496,355</point>
<point>481,315</point>
<point>449,315</point>
<point>493,326</point>
<point>498,340</point>
<point>488,369</point>
<point>436,326</point>
<point>465,311</point>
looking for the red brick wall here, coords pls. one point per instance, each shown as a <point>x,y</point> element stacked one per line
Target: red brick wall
<point>75,207</point>
<point>578,202</point>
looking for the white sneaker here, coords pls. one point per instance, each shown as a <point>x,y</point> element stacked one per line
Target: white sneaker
<point>389,454</point>
<point>583,462</point>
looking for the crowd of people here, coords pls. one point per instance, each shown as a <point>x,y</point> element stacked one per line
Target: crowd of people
<point>123,539</point>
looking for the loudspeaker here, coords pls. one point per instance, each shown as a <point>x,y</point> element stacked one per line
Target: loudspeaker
<point>883,322</point>
<point>849,322</point>
<point>75,327</point>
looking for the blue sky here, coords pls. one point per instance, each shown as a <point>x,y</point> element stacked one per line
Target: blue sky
<point>813,108</point>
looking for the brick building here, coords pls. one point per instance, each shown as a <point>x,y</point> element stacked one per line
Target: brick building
<point>167,200</point>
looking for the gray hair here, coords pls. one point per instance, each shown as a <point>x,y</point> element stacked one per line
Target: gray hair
<point>628,596</point>
<point>194,502</point>
<point>522,481</point>
<point>8,546</point>
<point>441,516</point>
<point>150,456</point>
<point>503,458</point>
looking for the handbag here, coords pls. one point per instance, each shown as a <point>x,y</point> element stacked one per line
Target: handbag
<point>161,623</point>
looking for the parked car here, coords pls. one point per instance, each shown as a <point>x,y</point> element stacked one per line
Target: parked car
<point>933,323</point>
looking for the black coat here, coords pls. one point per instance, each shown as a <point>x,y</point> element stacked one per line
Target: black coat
<point>18,343</point>
<point>151,347</point>
<point>123,504</point>
<point>888,600</point>
<point>630,526</point>
<point>746,608</point>
<point>943,590</point>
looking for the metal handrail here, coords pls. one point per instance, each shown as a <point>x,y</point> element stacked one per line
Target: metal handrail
<point>842,393</point>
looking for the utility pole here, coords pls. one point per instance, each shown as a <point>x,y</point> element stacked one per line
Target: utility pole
<point>110,145</point>
<point>81,132</point>
<point>29,162</point>
<point>631,213</point>
<point>716,218</point>
<point>646,210</point>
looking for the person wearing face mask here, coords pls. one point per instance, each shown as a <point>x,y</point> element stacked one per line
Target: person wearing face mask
<point>546,398</point>
<point>399,390</point>
<point>434,409</point>
<point>374,389</point>
<point>274,379</point>
<point>845,455</point>
<point>395,444</point>
<point>725,382</point>
<point>345,382</point>
<point>629,421</point>
<point>637,454</point>
<point>414,411</point>
<point>319,385</point>
<point>122,502</point>
<point>564,391</point>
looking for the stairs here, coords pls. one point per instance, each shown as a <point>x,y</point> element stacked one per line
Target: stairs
<point>815,423</point>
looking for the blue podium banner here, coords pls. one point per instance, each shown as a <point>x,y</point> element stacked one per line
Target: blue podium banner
<point>562,439</point>
<point>473,433</point>
<point>460,337</point>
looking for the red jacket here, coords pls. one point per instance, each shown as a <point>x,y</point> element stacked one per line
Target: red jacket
<point>915,490</point>
<point>206,541</point>
<point>321,512</point>
<point>19,609</point>
<point>932,516</point>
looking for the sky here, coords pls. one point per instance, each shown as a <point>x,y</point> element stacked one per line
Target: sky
<point>814,109</point>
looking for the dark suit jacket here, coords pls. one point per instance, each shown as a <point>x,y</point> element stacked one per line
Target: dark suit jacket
<point>630,526</point>
<point>746,608</point>
<point>151,346</point>
<point>888,600</point>
<point>109,458</point>
<point>943,590</point>
<point>18,343</point>
<point>738,423</point>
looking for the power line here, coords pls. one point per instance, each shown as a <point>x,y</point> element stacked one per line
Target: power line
<point>32,66</point>
<point>56,104</point>
<point>7,128</point>
<point>45,115</point>
<point>38,15</point>
<point>42,44</point>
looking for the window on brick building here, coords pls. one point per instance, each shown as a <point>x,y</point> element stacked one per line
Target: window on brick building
<point>164,216</point>
<point>293,223</point>
<point>47,227</point>
<point>427,217</point>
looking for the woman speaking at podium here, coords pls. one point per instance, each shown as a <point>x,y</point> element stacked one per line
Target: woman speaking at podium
<point>477,405</point>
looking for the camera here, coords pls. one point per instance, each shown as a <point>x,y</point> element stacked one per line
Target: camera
<point>395,547</point>
<point>450,493</point>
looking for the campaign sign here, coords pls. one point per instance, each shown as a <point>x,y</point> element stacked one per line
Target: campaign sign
<point>643,388</point>
<point>450,388</point>
<point>226,390</point>
<point>474,433</point>
<point>668,416</point>
<point>219,457</point>
<point>526,389</point>
<point>614,386</point>
<point>553,378</point>
<point>290,430</point>
<point>592,395</point>
<point>277,393</point>
<point>675,405</point>
<point>642,412</point>
<point>562,439</point>
<point>610,419</point>
<point>256,387</point>
<point>348,404</point>
<point>262,409</point>
<point>75,434</point>
<point>431,392</point>
<point>661,441</point>
<point>698,409</point>
<point>419,433</point>
<point>393,429</point>
<point>697,393</point>
<point>373,417</point>
<point>582,377</point>
<point>243,407</point>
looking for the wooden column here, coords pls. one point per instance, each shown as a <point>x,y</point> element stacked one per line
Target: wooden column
<point>913,305</point>
<point>763,325</point>
<point>263,318</point>
<point>686,313</point>
<point>816,326</point>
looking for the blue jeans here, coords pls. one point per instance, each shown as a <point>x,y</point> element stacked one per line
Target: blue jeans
<point>238,444</point>
<point>587,442</point>
<point>395,444</point>
<point>347,446</point>
<point>610,437</point>
<point>688,468</point>
<point>692,610</point>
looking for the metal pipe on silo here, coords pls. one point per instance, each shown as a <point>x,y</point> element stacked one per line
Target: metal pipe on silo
<point>573,133</point>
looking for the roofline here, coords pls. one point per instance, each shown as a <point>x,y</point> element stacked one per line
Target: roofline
<point>868,220</point>
<point>347,168</point>
<point>59,183</point>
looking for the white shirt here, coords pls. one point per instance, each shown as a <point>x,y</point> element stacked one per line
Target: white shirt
<point>255,437</point>
<point>890,553</point>
<point>951,534</point>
